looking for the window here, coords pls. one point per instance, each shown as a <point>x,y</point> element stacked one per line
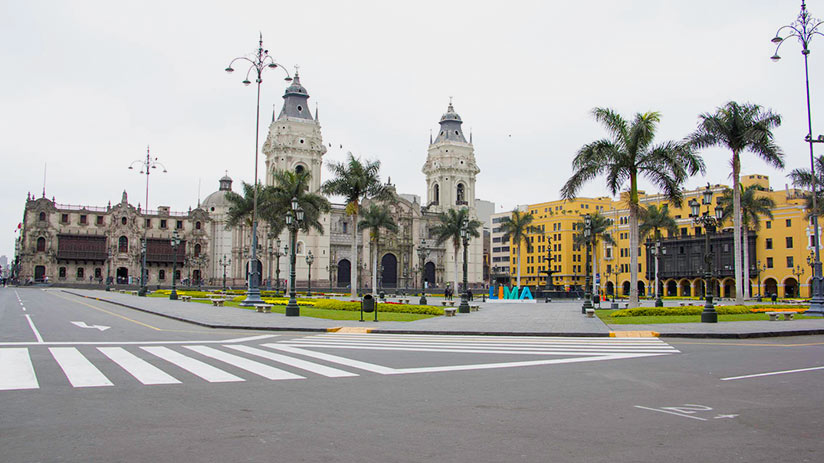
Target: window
<point>197,250</point>
<point>123,244</point>
<point>768,243</point>
<point>41,244</point>
<point>789,261</point>
<point>789,223</point>
<point>61,272</point>
<point>42,216</point>
<point>80,273</point>
<point>100,220</point>
<point>83,220</point>
<point>124,220</point>
<point>460,193</point>
<point>161,275</point>
<point>197,225</point>
<point>148,223</point>
<point>769,224</point>
<point>179,224</point>
<point>345,227</point>
<point>769,262</point>
<point>684,231</point>
<point>437,194</point>
<point>789,241</point>
<point>163,223</point>
<point>64,218</point>
<point>98,273</point>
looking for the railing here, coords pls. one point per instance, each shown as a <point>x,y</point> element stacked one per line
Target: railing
<point>81,255</point>
<point>81,208</point>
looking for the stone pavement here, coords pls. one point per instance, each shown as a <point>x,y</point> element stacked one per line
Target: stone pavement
<point>540,319</point>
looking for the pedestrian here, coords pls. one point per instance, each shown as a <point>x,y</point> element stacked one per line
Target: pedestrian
<point>469,293</point>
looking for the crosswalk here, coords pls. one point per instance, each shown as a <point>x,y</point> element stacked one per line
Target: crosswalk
<point>83,365</point>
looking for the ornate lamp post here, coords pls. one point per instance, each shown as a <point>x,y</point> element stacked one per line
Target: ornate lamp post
<point>464,307</point>
<point>278,255</point>
<point>223,262</point>
<point>708,315</point>
<point>656,250</point>
<point>145,165</point>
<point>422,253</point>
<point>175,243</point>
<point>257,63</point>
<point>804,28</point>
<point>588,268</point>
<point>797,271</point>
<point>109,269</point>
<point>309,259</point>
<point>294,219</point>
<point>759,267</point>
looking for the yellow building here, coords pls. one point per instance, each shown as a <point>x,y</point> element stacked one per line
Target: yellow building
<point>778,250</point>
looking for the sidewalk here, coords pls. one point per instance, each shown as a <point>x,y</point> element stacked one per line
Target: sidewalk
<point>539,319</point>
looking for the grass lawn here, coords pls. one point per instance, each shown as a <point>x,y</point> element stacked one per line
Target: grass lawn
<point>604,315</point>
<point>337,314</point>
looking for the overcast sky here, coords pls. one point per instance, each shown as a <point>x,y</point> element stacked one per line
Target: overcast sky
<point>86,86</point>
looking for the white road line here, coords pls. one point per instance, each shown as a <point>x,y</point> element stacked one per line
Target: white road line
<point>671,413</point>
<point>512,347</point>
<point>16,370</point>
<point>494,339</point>
<point>297,363</point>
<point>33,328</point>
<point>333,358</point>
<point>772,373</point>
<point>142,370</point>
<point>196,367</point>
<point>78,369</point>
<point>458,350</point>
<point>252,338</point>
<point>252,366</point>
<point>487,366</point>
<point>112,343</point>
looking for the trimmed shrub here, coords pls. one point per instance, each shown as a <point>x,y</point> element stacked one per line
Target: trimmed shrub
<point>697,309</point>
<point>334,304</point>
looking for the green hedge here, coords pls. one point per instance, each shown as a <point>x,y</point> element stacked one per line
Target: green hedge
<point>334,304</point>
<point>685,310</point>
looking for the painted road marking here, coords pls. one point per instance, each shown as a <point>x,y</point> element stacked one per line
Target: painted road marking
<point>34,328</point>
<point>297,363</point>
<point>78,369</point>
<point>196,367</point>
<point>142,370</point>
<point>685,410</point>
<point>772,373</point>
<point>16,370</point>
<point>252,366</point>
<point>334,359</point>
<point>134,343</point>
<point>84,325</point>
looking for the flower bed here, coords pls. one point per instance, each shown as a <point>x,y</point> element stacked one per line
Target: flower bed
<point>697,309</point>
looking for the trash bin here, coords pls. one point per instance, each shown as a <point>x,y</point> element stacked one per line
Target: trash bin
<point>368,303</point>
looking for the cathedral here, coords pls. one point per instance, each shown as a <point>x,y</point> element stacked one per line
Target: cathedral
<point>78,244</point>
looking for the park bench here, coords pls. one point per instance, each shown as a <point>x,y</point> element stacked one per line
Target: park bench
<point>217,302</point>
<point>133,293</point>
<point>185,298</point>
<point>448,303</point>
<point>264,308</point>
<point>474,308</point>
<point>590,313</point>
<point>449,311</point>
<point>787,315</point>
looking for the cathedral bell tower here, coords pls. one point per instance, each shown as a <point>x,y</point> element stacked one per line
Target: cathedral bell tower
<point>294,141</point>
<point>450,166</point>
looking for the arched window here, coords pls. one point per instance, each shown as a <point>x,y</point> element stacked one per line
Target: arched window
<point>299,169</point>
<point>124,220</point>
<point>61,272</point>
<point>197,249</point>
<point>197,225</point>
<point>123,244</point>
<point>80,273</point>
<point>41,244</point>
<point>460,194</point>
<point>161,275</point>
<point>299,248</point>
<point>437,194</point>
<point>42,216</point>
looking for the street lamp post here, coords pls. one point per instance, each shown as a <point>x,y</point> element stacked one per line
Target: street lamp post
<point>587,265</point>
<point>109,269</point>
<point>464,307</point>
<point>175,244</point>
<point>804,28</point>
<point>148,164</point>
<point>278,255</point>
<point>708,315</point>
<point>309,259</point>
<point>257,63</point>
<point>422,253</point>
<point>223,262</point>
<point>758,269</point>
<point>294,219</point>
<point>656,252</point>
<point>797,271</point>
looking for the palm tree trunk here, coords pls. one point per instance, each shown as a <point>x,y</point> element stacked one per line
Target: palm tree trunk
<point>353,271</point>
<point>455,282</point>
<point>736,194</point>
<point>518,283</point>
<point>633,255</point>
<point>594,266</point>
<point>744,240</point>
<point>375,268</point>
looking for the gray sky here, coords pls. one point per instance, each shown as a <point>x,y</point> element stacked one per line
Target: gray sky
<point>87,85</point>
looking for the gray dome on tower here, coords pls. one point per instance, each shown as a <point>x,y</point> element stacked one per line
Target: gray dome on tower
<point>295,101</point>
<point>450,126</point>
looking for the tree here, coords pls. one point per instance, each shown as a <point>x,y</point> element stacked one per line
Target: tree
<point>600,225</point>
<point>356,181</point>
<point>375,218</point>
<point>516,228</point>
<point>449,227</point>
<point>654,219</point>
<point>739,128</point>
<point>241,206</point>
<point>752,207</point>
<point>278,201</point>
<point>626,156</point>
<point>804,178</point>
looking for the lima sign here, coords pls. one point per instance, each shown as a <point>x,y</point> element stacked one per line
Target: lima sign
<point>511,293</point>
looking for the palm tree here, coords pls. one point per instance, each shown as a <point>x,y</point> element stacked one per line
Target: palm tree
<point>804,179</point>
<point>278,201</point>
<point>752,207</point>
<point>241,206</point>
<point>626,156</point>
<point>449,226</point>
<point>739,128</point>
<point>375,218</point>
<point>599,225</point>
<point>516,228</point>
<point>356,181</point>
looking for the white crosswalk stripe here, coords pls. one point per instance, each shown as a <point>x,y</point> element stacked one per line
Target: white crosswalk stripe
<point>243,363</point>
<point>142,370</point>
<point>298,363</point>
<point>16,370</point>
<point>78,369</point>
<point>194,366</point>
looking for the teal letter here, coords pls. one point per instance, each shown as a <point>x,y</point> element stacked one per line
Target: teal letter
<point>511,293</point>
<point>526,293</point>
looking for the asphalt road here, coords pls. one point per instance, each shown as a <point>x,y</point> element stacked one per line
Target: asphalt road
<point>84,381</point>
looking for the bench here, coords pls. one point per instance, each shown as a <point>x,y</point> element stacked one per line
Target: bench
<point>590,313</point>
<point>264,308</point>
<point>185,298</point>
<point>449,311</point>
<point>133,293</point>
<point>448,303</point>
<point>787,315</point>
<point>474,308</point>
<point>217,302</point>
